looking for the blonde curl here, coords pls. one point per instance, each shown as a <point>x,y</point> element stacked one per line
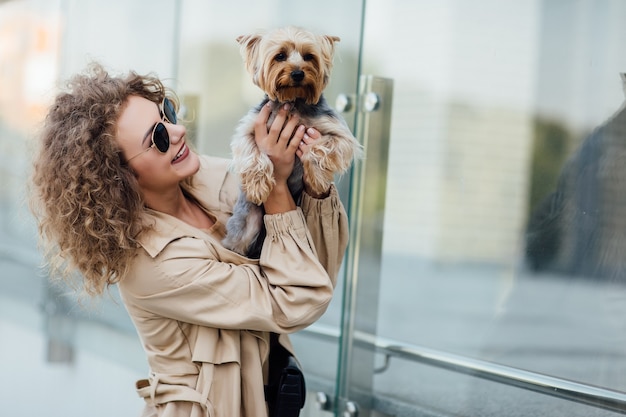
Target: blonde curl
<point>85,197</point>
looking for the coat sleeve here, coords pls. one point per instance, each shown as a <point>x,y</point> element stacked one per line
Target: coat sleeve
<point>287,290</point>
<point>327,222</point>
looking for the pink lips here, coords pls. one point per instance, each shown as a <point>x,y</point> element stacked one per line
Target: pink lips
<point>183,155</point>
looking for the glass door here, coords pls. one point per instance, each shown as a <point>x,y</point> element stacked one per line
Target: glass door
<point>217,92</point>
<point>501,267</point>
<point>336,352</point>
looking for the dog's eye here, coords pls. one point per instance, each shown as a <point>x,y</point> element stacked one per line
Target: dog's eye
<point>308,57</point>
<point>280,57</point>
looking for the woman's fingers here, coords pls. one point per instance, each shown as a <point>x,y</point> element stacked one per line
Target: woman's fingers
<point>260,123</point>
<point>262,134</point>
<point>297,139</point>
<point>309,137</point>
<point>312,134</point>
<point>278,126</point>
<point>281,130</point>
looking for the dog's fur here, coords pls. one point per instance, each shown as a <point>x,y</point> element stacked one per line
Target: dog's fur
<point>290,65</point>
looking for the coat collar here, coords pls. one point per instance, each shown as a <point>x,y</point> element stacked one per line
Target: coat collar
<point>213,187</point>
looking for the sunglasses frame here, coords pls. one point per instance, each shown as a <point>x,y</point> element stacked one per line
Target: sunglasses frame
<point>168,114</point>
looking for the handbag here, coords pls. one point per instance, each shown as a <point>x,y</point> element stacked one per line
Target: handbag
<point>286,391</point>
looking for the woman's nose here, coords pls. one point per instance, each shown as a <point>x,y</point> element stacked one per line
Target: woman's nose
<point>176,132</point>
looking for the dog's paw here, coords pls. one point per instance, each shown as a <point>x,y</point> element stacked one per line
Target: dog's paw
<point>318,180</point>
<point>329,156</point>
<point>333,153</point>
<point>257,185</point>
<point>257,178</point>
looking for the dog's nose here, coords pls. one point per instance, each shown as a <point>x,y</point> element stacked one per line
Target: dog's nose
<point>297,75</point>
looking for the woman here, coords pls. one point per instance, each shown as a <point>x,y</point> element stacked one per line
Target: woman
<point>122,199</point>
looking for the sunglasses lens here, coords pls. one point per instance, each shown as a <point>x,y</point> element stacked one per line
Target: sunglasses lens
<point>161,138</point>
<point>168,111</point>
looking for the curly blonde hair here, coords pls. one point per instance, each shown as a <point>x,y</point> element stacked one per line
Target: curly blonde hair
<point>85,197</point>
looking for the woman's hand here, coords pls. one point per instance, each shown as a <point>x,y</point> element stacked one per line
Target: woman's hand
<point>281,141</point>
<point>309,138</point>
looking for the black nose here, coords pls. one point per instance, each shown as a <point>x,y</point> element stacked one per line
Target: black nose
<point>297,75</point>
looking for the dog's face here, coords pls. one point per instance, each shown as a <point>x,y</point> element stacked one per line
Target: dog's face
<point>289,63</point>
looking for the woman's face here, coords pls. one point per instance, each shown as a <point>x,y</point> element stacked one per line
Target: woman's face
<point>156,171</point>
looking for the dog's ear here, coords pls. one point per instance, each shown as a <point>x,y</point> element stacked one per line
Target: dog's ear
<point>332,39</point>
<point>249,49</point>
<point>328,51</point>
<point>248,46</point>
<point>328,47</point>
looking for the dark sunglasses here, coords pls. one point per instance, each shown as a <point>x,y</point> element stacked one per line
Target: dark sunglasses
<point>160,138</point>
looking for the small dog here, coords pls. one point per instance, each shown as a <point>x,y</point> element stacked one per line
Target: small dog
<point>290,65</point>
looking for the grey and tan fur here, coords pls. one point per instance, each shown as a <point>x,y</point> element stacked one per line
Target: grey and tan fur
<point>293,66</point>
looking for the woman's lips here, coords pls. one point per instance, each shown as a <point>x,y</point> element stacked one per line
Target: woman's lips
<point>182,154</point>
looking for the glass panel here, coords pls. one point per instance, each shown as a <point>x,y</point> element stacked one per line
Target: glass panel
<point>218,92</point>
<point>360,307</point>
<point>496,108</point>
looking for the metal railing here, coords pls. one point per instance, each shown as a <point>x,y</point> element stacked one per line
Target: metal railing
<point>544,384</point>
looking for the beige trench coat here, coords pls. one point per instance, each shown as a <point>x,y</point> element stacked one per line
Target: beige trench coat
<point>204,313</point>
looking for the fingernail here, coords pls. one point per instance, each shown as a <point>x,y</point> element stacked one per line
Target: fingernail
<point>311,131</point>
<point>300,128</point>
<point>268,104</point>
<point>286,106</point>
<point>307,136</point>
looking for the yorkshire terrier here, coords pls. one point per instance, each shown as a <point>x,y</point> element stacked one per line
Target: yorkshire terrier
<point>290,65</point>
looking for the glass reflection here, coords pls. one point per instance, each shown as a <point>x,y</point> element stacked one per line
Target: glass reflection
<point>579,229</point>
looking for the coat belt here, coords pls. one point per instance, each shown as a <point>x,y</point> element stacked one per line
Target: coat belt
<point>156,392</point>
